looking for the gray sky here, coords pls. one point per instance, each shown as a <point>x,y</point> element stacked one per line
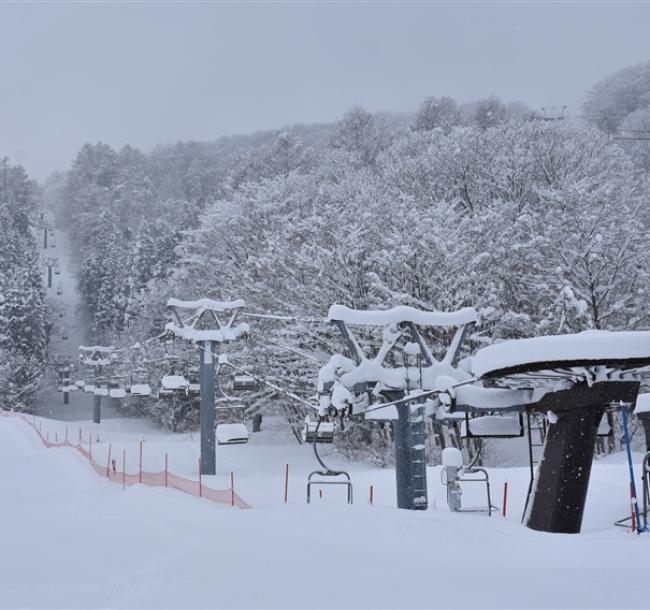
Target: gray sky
<point>152,73</point>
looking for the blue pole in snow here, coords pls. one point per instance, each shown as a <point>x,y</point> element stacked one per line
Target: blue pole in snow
<point>635,504</point>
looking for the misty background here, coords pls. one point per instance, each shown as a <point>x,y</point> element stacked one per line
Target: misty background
<point>154,73</point>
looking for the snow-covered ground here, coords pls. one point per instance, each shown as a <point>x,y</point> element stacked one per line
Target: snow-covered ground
<point>73,539</point>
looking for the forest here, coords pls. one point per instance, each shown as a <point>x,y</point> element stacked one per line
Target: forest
<point>539,221</point>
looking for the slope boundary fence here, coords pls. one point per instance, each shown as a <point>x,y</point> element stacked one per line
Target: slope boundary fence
<point>117,474</point>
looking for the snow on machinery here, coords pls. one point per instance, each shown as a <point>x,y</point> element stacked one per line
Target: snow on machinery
<point>209,324</point>
<point>571,378</point>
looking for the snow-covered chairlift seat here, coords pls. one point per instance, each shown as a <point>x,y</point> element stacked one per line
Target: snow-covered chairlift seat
<point>232,434</point>
<point>117,393</point>
<point>492,426</point>
<point>140,389</point>
<point>174,383</point>
<point>325,432</point>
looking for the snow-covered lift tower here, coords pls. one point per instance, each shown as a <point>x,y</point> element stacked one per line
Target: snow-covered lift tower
<point>210,323</point>
<point>98,358</point>
<point>571,378</point>
<point>353,384</point>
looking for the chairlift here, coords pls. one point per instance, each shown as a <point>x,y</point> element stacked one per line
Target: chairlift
<point>57,271</point>
<point>323,433</point>
<point>193,381</point>
<point>64,333</point>
<point>232,434</point>
<point>59,290</point>
<point>80,383</point>
<point>101,391</point>
<point>327,476</point>
<point>453,473</point>
<point>241,383</point>
<point>140,389</point>
<point>89,388</point>
<point>492,426</point>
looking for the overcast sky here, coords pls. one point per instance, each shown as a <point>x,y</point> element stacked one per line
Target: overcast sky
<point>152,73</point>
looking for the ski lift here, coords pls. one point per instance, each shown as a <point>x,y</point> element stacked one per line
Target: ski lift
<point>116,389</point>
<point>140,389</point>
<point>492,426</point>
<point>193,381</point>
<point>59,290</point>
<point>80,383</point>
<point>313,432</point>
<point>327,476</point>
<point>89,388</point>
<point>453,473</point>
<point>241,383</point>
<point>172,384</point>
<point>139,385</point>
<point>101,390</point>
<point>57,270</point>
<point>232,434</point>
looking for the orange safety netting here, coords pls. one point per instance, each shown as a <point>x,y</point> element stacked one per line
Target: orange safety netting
<point>154,479</point>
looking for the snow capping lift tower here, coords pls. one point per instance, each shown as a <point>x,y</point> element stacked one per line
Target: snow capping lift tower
<point>205,328</point>
<point>96,359</point>
<point>358,384</point>
<point>571,379</point>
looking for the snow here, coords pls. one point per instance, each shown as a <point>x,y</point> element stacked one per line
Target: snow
<point>72,539</point>
<point>403,313</point>
<point>231,433</point>
<point>173,382</point>
<point>586,347</point>
<point>207,304</point>
<point>117,393</point>
<point>141,389</point>
<point>642,403</point>
<point>218,335</point>
<point>493,425</point>
<point>452,457</point>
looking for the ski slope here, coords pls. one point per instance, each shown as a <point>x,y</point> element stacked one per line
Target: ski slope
<point>73,539</point>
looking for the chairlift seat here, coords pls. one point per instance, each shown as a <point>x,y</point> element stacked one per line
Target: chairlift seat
<point>89,388</point>
<point>243,382</point>
<point>141,389</point>
<point>175,383</point>
<point>232,434</point>
<point>80,383</point>
<point>117,393</point>
<point>325,432</point>
<point>492,426</point>
<point>101,391</point>
<point>194,388</point>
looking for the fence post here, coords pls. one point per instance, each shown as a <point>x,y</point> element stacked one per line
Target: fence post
<point>505,498</point>
<point>81,436</point>
<point>286,483</point>
<point>371,497</point>
<point>232,489</point>
<point>166,468</point>
<point>108,463</point>
<point>200,482</point>
<point>140,475</point>
<point>123,469</point>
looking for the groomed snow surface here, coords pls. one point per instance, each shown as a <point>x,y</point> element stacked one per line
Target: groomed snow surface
<point>73,539</point>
